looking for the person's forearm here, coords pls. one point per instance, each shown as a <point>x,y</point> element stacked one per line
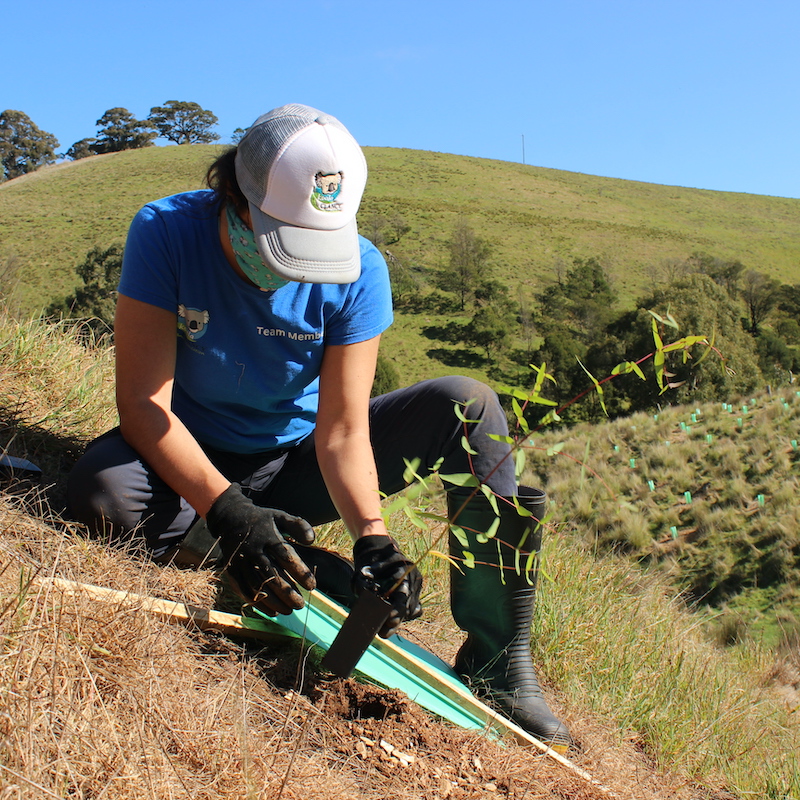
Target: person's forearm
<point>167,446</point>
<point>348,468</point>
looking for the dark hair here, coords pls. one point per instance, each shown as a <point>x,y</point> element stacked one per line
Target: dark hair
<point>221,178</point>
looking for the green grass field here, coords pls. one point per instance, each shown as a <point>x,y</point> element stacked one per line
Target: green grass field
<point>534,218</point>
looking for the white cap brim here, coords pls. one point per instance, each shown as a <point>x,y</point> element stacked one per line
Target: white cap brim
<point>307,255</point>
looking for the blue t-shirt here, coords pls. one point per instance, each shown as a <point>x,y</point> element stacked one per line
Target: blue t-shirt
<point>248,361</point>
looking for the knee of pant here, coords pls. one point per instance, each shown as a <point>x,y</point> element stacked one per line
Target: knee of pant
<point>92,501</point>
<point>462,390</point>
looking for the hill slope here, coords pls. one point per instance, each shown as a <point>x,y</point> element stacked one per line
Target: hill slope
<point>106,701</point>
<point>533,217</point>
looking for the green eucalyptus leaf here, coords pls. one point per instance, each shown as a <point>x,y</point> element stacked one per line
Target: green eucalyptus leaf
<point>460,414</point>
<point>542,374</point>
<point>400,501</point>
<point>416,490</point>
<point>413,516</point>
<point>520,463</point>
<point>500,563</point>
<point>514,392</point>
<point>431,516</point>
<point>410,472</point>
<point>520,417</point>
<point>461,479</point>
<point>597,386</point>
<point>500,438</point>
<point>490,496</point>
<point>658,366</point>
<point>530,568</point>
<point>521,510</point>
<point>452,561</point>
<point>627,367</point>
<point>550,417</point>
<point>656,335</point>
<point>465,444</point>
<point>492,529</point>
<point>460,534</point>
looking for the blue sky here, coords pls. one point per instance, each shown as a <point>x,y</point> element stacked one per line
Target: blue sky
<point>702,93</point>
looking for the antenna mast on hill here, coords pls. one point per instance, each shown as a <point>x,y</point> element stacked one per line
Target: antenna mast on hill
<point>523,148</point>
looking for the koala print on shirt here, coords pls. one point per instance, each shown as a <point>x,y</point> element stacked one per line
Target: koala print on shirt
<point>192,322</point>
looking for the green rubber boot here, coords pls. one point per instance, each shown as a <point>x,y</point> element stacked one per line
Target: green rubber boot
<point>493,603</point>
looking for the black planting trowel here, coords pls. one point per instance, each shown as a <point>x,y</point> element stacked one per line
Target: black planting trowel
<point>363,622</point>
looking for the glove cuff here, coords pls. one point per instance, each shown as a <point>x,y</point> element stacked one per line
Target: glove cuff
<point>375,541</point>
<point>219,517</point>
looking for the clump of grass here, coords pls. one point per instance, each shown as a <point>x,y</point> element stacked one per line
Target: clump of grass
<point>56,393</point>
<point>634,655</point>
<point>63,378</point>
<point>706,480</point>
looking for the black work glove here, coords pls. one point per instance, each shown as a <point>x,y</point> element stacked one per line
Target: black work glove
<point>379,566</point>
<point>259,561</point>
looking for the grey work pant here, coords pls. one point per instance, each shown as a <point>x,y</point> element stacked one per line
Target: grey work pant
<point>115,493</point>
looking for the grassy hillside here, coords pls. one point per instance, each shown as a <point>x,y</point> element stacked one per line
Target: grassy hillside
<point>533,217</point>
<point>705,494</point>
<point>104,700</point>
<point>51,218</point>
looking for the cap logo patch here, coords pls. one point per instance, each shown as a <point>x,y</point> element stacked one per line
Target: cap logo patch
<point>326,190</point>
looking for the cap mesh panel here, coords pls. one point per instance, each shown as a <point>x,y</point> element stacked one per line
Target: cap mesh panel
<point>266,136</point>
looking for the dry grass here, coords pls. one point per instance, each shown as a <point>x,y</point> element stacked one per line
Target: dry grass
<point>106,701</point>
<point>103,701</point>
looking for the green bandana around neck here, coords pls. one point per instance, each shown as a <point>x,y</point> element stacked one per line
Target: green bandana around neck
<point>243,242</point>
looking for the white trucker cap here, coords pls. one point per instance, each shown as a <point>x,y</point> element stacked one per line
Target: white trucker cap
<point>303,175</point>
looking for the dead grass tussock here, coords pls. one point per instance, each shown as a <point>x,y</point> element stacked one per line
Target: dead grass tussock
<point>661,458</point>
<point>55,379</point>
<point>784,496</point>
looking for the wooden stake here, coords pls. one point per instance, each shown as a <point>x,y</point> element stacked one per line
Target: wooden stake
<point>193,616</point>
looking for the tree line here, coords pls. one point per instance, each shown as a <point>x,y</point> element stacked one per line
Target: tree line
<point>573,325</point>
<point>24,147</point>
<point>576,327</point>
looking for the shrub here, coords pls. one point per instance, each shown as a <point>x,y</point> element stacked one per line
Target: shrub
<point>387,378</point>
<point>96,300</point>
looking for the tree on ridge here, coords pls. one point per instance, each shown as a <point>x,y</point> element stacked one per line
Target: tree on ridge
<point>184,123</point>
<point>24,147</point>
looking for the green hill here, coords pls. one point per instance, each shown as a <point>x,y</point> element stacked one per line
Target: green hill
<point>533,217</point>
<point>702,494</point>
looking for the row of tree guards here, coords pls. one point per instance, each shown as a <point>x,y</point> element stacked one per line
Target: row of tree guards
<point>696,418</point>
